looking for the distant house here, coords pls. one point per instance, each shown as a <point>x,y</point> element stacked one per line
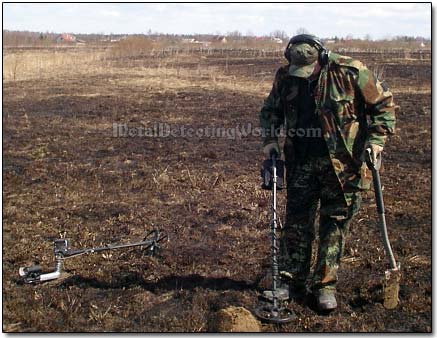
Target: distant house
<point>277,40</point>
<point>66,38</point>
<point>70,38</point>
<point>329,42</point>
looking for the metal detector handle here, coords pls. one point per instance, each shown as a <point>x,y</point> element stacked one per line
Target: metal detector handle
<point>374,167</point>
<point>274,173</point>
<point>267,166</point>
<point>273,156</point>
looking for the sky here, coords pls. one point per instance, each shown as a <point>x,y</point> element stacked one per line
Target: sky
<point>379,20</point>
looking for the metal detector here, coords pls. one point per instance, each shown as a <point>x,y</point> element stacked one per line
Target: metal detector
<point>272,172</point>
<point>33,274</point>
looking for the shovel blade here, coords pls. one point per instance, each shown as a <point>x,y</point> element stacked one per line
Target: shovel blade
<point>391,288</point>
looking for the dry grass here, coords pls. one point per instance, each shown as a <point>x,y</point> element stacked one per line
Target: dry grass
<point>167,74</point>
<point>37,64</point>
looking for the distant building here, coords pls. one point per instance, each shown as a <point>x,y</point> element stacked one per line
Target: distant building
<point>69,38</point>
<point>66,38</point>
<point>277,40</point>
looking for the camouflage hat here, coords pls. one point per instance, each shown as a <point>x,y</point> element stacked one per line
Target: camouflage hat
<point>303,60</point>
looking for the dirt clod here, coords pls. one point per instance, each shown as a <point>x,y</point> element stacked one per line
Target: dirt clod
<point>234,319</point>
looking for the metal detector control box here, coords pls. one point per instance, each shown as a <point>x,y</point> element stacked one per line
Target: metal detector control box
<point>60,246</point>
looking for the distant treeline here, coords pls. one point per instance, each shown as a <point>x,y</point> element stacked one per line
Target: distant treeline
<point>229,40</point>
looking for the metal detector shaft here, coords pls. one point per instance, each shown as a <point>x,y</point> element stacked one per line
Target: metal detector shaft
<point>75,252</point>
<point>275,271</point>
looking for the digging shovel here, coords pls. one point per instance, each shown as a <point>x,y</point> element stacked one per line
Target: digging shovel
<point>393,275</point>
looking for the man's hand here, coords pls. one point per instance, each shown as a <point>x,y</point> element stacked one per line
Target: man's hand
<point>375,151</point>
<point>271,148</point>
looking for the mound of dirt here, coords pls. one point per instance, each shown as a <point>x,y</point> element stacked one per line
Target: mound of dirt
<point>234,319</point>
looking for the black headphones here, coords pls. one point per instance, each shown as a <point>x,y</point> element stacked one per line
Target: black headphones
<point>311,40</point>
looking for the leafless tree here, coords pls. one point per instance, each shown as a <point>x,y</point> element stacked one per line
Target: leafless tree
<point>302,30</point>
<point>279,34</point>
<point>368,37</point>
<point>235,34</point>
<point>250,33</point>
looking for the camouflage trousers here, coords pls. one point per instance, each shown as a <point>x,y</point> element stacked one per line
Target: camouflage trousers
<point>310,183</point>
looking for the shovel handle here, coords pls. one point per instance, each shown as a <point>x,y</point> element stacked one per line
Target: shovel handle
<point>374,167</point>
<point>378,191</point>
<point>371,164</point>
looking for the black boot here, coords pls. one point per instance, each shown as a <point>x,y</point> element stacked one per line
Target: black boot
<point>325,299</point>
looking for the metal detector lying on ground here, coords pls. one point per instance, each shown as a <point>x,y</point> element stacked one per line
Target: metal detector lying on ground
<point>33,274</point>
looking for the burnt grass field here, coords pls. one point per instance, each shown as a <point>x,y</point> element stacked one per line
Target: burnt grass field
<point>65,174</point>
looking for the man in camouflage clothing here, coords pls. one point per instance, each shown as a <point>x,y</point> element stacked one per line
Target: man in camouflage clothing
<point>332,108</point>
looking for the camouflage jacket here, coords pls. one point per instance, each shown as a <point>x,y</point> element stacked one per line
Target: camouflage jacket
<point>353,107</point>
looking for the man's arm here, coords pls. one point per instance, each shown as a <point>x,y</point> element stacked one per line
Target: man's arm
<point>272,114</point>
<point>379,106</point>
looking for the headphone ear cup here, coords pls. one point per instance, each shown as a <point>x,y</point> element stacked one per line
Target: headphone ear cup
<point>287,53</point>
<point>323,57</point>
